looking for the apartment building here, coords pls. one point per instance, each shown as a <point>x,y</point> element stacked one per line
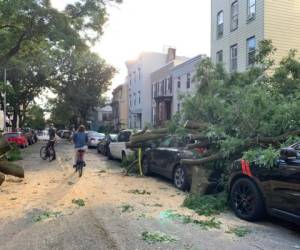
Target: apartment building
<point>184,80</point>
<point>168,83</point>
<point>239,25</point>
<point>120,107</point>
<point>139,85</point>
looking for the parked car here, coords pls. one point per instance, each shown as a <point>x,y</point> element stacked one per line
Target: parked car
<point>94,138</point>
<point>29,135</point>
<point>256,190</point>
<point>103,145</point>
<point>117,149</point>
<point>17,137</point>
<point>43,135</point>
<point>66,134</point>
<point>165,160</point>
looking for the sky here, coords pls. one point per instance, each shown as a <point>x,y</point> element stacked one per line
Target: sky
<point>152,25</point>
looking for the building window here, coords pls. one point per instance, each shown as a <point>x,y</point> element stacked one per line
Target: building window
<point>130,79</point>
<point>130,100</point>
<point>220,56</point>
<point>134,76</point>
<point>251,12</point>
<point>220,24</point>
<point>233,57</point>
<point>251,48</point>
<point>234,16</point>
<point>139,72</point>
<point>170,83</point>
<point>178,82</point>
<point>188,80</point>
<point>134,102</point>
<point>139,97</point>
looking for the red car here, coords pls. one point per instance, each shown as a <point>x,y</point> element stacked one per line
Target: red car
<point>17,137</point>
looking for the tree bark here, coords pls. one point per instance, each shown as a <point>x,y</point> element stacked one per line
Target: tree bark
<point>195,125</point>
<point>2,178</point>
<point>11,169</point>
<point>4,146</point>
<point>145,137</point>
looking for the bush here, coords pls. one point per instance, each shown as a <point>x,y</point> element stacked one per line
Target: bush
<point>14,154</point>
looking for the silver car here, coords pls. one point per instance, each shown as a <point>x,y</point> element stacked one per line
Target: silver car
<point>94,138</point>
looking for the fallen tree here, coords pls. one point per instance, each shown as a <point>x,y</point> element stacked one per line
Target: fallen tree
<point>9,168</point>
<point>234,115</point>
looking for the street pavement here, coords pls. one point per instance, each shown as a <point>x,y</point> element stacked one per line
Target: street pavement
<point>52,208</point>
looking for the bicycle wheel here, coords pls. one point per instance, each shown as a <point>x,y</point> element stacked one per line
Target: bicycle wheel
<point>43,152</point>
<point>51,154</point>
<point>80,168</point>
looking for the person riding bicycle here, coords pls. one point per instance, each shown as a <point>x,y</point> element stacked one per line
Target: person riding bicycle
<point>80,140</point>
<point>51,140</point>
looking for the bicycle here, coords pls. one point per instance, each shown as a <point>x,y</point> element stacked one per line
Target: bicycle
<point>48,151</point>
<point>80,162</point>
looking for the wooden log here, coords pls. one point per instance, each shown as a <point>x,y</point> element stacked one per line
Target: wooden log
<point>195,125</point>
<point>199,145</point>
<point>2,178</point>
<point>197,162</point>
<point>146,137</point>
<point>200,180</point>
<point>4,146</point>
<point>9,168</point>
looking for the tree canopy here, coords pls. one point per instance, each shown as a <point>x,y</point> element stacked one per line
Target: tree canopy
<point>250,113</point>
<point>38,48</point>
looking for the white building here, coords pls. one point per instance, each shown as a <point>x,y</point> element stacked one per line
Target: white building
<point>139,85</point>
<point>184,80</point>
<point>239,25</point>
<point>168,83</point>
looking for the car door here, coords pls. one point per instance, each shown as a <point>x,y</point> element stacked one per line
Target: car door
<point>163,157</point>
<point>285,186</point>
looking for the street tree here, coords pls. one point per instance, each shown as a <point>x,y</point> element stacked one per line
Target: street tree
<point>83,79</point>
<point>245,114</point>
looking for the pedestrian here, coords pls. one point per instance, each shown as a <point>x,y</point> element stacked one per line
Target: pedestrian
<point>80,140</point>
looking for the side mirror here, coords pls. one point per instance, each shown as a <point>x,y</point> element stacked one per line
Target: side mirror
<point>288,154</point>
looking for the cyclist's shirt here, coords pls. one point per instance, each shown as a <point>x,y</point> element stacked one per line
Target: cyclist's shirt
<point>51,133</point>
<point>80,139</point>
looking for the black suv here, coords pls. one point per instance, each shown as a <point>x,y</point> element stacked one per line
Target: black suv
<point>255,190</point>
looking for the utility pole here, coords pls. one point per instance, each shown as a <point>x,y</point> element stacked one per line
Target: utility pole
<point>4,101</point>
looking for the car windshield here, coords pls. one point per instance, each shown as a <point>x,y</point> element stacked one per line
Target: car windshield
<point>113,137</point>
<point>174,142</point>
<point>11,135</point>
<point>98,135</point>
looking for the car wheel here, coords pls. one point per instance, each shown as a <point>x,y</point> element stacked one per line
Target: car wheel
<point>246,200</point>
<point>109,155</point>
<point>124,157</point>
<point>180,178</point>
<point>146,167</point>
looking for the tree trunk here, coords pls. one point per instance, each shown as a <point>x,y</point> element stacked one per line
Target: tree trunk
<point>2,178</point>
<point>195,125</point>
<point>15,119</point>
<point>11,169</point>
<point>146,137</point>
<point>200,180</point>
<point>4,146</point>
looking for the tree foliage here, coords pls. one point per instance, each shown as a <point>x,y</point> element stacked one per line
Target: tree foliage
<point>82,80</point>
<point>35,118</point>
<point>242,108</point>
<point>36,41</point>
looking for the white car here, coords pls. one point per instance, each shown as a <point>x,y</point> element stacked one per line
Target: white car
<point>117,149</point>
<point>94,138</point>
<point>43,135</point>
